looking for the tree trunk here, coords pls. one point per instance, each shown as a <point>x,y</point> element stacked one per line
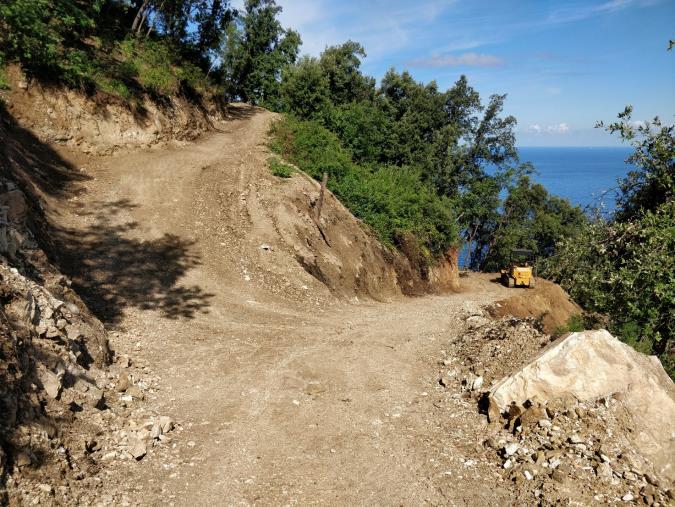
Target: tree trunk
<point>139,16</point>
<point>140,25</point>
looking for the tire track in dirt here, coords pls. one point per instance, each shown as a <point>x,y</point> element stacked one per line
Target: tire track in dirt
<point>284,397</point>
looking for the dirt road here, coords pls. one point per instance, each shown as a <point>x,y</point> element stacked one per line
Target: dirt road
<point>283,394</point>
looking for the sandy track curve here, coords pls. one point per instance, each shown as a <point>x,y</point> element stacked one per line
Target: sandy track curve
<point>283,400</point>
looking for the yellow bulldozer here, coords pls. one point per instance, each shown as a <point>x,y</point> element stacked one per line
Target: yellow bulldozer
<point>521,269</point>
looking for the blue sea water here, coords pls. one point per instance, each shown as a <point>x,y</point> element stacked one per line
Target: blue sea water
<point>582,175</point>
<point>585,176</point>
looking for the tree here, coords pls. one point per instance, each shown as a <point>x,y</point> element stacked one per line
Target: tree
<point>652,182</point>
<point>623,267</point>
<point>341,65</point>
<point>256,52</point>
<point>530,218</point>
<point>212,17</point>
<point>305,90</point>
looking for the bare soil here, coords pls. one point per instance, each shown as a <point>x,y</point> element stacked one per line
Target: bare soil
<point>548,303</point>
<point>296,372</point>
<point>286,393</point>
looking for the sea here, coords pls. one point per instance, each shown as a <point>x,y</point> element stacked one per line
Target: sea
<point>586,176</point>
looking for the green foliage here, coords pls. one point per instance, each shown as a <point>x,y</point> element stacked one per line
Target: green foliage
<point>4,81</point>
<point>362,127</point>
<point>394,201</point>
<point>340,65</point>
<point>625,269</point>
<point>530,218</point>
<point>152,63</point>
<point>279,169</point>
<point>450,137</point>
<point>83,45</point>
<point>652,182</point>
<point>304,90</point>
<point>43,37</point>
<point>256,52</point>
<point>573,325</point>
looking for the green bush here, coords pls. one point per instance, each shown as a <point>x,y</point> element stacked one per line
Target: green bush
<point>394,201</point>
<point>151,61</point>
<point>625,270</point>
<point>44,37</point>
<point>573,325</point>
<point>279,169</point>
<point>4,80</point>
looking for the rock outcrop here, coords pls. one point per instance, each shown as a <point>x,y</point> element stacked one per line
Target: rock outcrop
<point>593,364</point>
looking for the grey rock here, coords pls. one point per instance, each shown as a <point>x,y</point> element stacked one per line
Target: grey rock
<point>156,431</point>
<point>166,423</point>
<point>52,332</point>
<point>51,383</point>
<point>575,439</point>
<point>72,307</point>
<point>477,383</point>
<point>46,488</point>
<point>604,471</point>
<point>476,321</point>
<point>22,459</point>
<point>511,449</point>
<point>137,448</point>
<point>32,310</point>
<point>122,383</point>
<point>73,332</point>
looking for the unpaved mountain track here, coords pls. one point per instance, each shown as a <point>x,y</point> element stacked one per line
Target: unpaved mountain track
<point>288,397</point>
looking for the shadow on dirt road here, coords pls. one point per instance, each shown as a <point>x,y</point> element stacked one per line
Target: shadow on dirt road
<point>111,271</point>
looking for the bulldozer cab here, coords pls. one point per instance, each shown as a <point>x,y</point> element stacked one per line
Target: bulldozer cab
<point>520,271</point>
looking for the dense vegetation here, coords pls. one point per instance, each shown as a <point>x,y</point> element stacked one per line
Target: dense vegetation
<point>456,151</point>
<point>625,267</point>
<point>424,167</point>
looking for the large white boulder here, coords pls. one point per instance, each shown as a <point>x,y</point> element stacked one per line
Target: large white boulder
<point>593,364</point>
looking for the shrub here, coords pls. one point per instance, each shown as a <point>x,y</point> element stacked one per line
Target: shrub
<point>4,80</point>
<point>573,325</point>
<point>279,169</point>
<point>394,201</point>
<point>625,269</point>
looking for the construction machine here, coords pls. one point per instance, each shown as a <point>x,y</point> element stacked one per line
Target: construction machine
<point>521,270</point>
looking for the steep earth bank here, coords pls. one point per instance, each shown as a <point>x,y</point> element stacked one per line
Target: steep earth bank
<point>255,360</point>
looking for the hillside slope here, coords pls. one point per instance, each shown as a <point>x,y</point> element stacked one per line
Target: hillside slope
<point>217,282</point>
<point>286,375</point>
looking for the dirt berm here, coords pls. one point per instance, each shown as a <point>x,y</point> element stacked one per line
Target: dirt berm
<point>547,303</point>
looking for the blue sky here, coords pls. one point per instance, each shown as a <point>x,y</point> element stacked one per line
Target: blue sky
<point>563,64</point>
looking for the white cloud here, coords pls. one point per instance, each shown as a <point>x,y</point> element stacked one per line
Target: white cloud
<point>566,15</point>
<point>466,59</point>
<point>464,44</point>
<point>382,27</point>
<point>558,128</point>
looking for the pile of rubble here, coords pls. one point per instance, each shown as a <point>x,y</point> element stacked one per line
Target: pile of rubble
<point>65,406</point>
<point>577,450</point>
<point>565,417</point>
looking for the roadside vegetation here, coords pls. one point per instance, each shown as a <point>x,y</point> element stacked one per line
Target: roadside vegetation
<point>624,267</point>
<point>279,168</point>
<point>425,168</point>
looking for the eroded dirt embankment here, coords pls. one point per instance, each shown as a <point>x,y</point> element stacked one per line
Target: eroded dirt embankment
<point>195,257</point>
<point>218,294</point>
